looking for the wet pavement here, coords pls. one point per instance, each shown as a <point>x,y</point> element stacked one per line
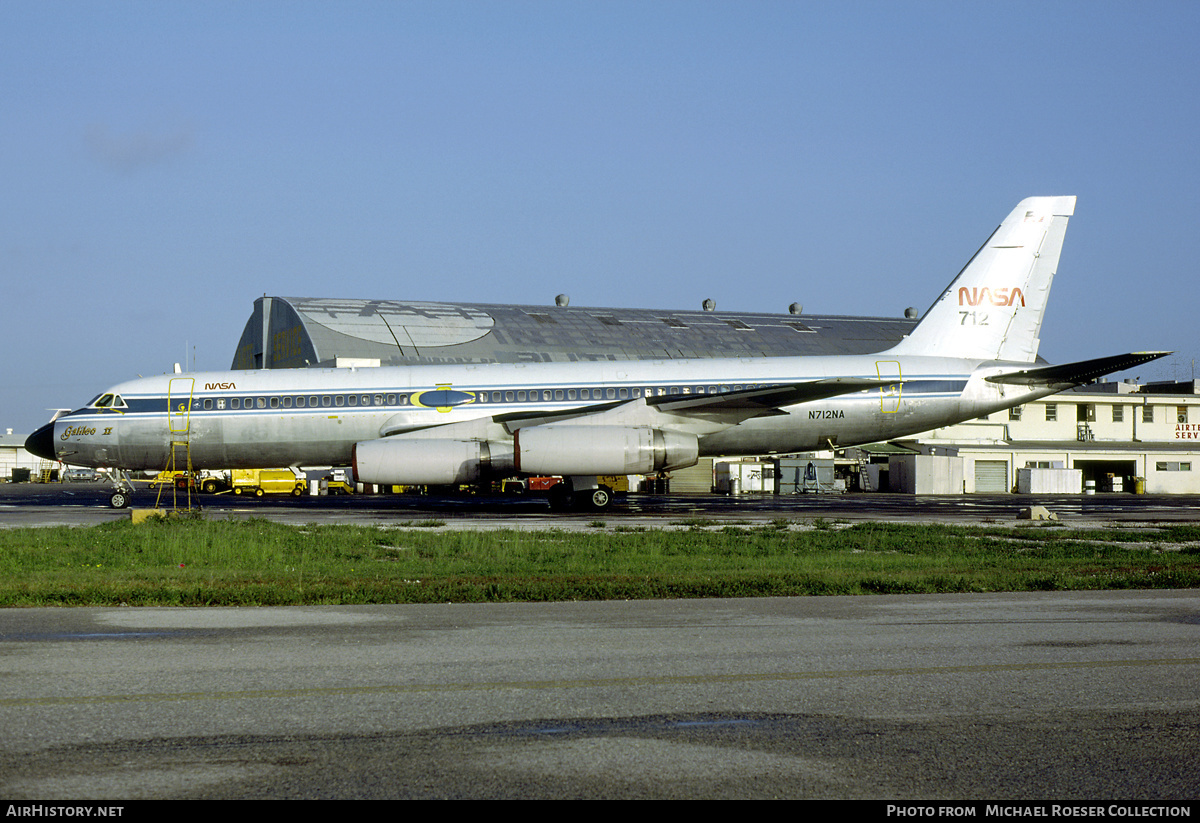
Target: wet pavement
<point>30,504</point>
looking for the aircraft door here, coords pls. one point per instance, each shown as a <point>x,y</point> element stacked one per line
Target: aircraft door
<point>179,404</point>
<point>889,396</point>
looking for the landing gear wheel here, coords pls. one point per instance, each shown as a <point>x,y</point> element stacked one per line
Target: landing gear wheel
<point>598,499</point>
<point>119,499</point>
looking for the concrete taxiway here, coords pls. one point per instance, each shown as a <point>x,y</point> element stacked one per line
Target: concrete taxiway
<point>1063,696</point>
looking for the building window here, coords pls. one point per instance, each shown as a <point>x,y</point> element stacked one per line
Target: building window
<point>1051,412</point>
<point>1181,414</point>
<point>1118,414</point>
<point>1172,466</point>
<point>1147,414</point>
<point>1014,414</point>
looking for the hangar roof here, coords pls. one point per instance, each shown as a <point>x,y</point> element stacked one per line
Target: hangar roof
<point>291,332</point>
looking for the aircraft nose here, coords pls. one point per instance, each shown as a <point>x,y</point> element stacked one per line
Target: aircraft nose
<point>41,442</point>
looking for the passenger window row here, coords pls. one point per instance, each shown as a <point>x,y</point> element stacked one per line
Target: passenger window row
<point>314,401</point>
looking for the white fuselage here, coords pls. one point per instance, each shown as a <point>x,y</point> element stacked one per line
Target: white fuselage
<point>313,417</point>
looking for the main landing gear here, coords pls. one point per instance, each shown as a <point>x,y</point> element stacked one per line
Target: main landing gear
<point>580,494</point>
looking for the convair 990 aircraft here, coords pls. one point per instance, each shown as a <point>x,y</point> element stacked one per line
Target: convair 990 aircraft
<point>973,353</point>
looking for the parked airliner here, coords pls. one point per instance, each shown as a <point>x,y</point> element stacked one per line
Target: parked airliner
<point>973,353</point>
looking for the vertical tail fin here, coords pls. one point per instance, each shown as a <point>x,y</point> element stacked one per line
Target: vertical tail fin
<point>993,310</point>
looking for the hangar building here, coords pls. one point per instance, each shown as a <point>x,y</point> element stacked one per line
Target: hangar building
<point>294,332</point>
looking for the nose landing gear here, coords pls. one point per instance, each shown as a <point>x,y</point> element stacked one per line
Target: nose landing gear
<point>122,493</point>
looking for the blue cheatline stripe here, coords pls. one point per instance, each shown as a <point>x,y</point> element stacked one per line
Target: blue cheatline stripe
<point>434,397</point>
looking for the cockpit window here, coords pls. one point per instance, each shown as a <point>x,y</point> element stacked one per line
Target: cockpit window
<point>109,401</point>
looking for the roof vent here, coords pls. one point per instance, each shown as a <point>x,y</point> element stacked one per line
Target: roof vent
<point>562,301</point>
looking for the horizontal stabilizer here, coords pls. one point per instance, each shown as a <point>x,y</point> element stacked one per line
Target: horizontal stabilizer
<point>1076,374</point>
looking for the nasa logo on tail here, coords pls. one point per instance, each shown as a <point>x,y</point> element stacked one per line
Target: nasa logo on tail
<point>1002,297</point>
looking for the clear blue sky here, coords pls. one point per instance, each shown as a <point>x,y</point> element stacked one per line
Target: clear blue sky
<point>165,163</point>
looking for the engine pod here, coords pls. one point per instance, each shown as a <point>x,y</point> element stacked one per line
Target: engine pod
<point>593,450</point>
<point>427,462</point>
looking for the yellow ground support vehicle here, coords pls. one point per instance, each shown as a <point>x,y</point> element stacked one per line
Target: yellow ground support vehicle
<point>338,483</point>
<point>267,481</point>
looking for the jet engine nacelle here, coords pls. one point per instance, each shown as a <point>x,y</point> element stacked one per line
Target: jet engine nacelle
<point>590,450</point>
<point>420,462</point>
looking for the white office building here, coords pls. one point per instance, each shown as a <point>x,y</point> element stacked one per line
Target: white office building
<point>1113,433</point>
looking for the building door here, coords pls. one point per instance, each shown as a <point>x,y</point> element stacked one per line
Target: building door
<point>991,476</point>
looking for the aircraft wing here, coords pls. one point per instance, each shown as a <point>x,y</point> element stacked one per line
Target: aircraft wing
<point>769,399</point>
<point>1076,374</point>
<point>733,405</point>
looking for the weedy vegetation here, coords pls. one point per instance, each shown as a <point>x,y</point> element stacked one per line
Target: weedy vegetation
<point>195,562</point>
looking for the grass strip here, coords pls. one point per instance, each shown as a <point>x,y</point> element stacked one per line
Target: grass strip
<point>194,562</point>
